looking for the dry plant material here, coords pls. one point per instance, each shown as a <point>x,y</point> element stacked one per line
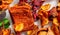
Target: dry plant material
<point>45,7</point>
<point>58,10</point>
<point>22,16</point>
<point>2,14</point>
<point>55,21</point>
<point>6,32</point>
<point>20,1</point>
<point>53,16</point>
<point>58,7</point>
<point>3,6</point>
<point>36,4</point>
<point>55,29</point>
<point>45,31</point>
<point>43,15</point>
<point>52,13</point>
<point>1,33</point>
<point>33,32</point>
<point>19,27</point>
<point>42,31</point>
<point>6,2</point>
<point>50,32</point>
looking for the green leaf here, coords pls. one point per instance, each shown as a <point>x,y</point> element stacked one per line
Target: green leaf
<point>6,26</point>
<point>0,23</point>
<point>5,21</point>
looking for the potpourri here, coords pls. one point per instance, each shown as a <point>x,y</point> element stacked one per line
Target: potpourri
<point>25,13</point>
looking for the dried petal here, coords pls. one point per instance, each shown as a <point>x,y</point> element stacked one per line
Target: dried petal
<point>45,7</point>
